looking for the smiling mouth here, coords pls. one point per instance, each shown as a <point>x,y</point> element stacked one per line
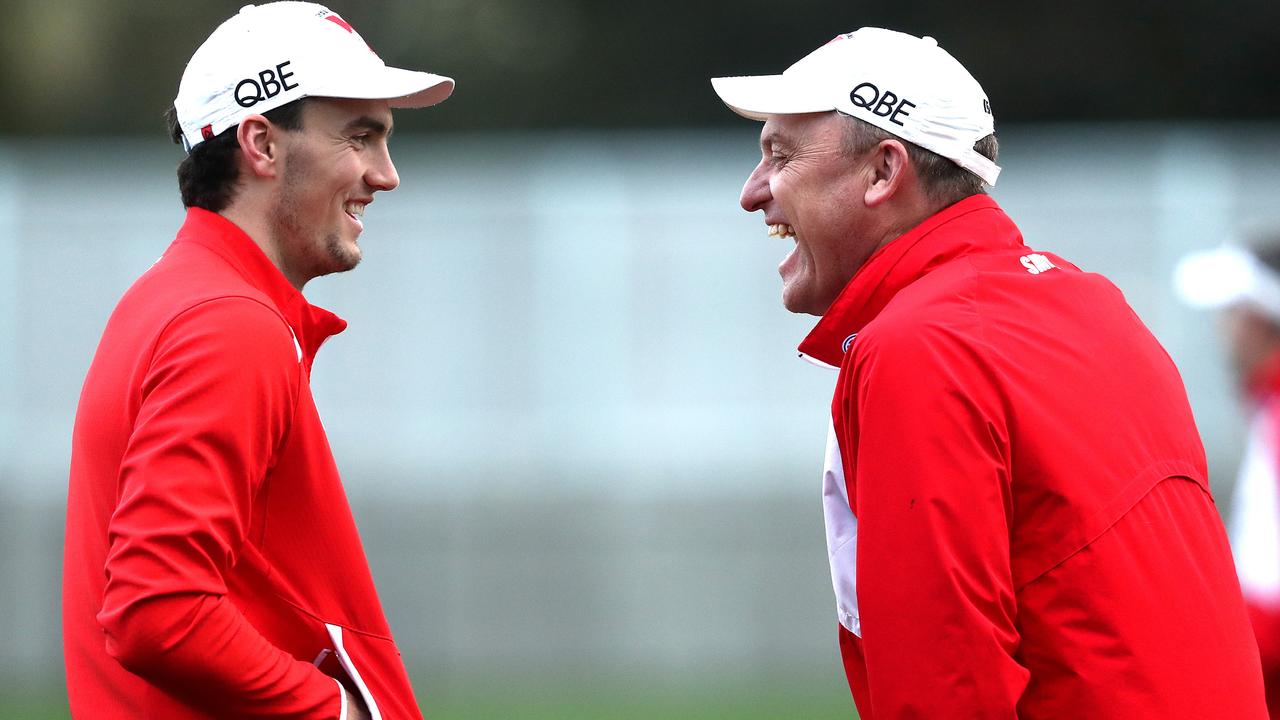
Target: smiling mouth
<point>355,210</point>
<point>781,230</point>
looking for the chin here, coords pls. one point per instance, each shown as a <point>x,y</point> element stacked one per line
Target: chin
<point>344,255</point>
<point>798,304</point>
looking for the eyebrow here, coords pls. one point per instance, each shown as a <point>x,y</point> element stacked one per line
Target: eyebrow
<point>368,122</point>
<point>771,137</point>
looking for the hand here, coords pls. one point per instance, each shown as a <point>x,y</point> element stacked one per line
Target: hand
<point>356,709</point>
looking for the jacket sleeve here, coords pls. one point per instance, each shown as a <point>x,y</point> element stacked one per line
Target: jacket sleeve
<point>215,402</point>
<point>926,427</point>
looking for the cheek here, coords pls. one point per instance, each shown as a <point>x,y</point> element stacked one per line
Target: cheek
<point>807,198</point>
<point>788,182</point>
<point>819,256</point>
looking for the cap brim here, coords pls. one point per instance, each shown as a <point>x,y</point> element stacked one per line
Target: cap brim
<point>401,88</point>
<point>1215,278</point>
<point>759,96</point>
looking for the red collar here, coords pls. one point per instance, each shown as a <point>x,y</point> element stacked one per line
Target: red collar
<point>972,225</point>
<point>311,325</point>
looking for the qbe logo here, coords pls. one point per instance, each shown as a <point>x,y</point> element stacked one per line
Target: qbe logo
<point>884,104</point>
<point>269,83</point>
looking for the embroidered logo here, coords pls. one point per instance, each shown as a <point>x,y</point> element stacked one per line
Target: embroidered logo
<point>1037,263</point>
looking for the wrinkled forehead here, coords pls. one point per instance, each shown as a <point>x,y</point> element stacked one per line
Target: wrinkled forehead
<point>796,128</point>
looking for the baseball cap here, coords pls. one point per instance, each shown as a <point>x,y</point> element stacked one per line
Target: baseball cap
<point>902,84</point>
<point>268,55</point>
<point>1227,275</point>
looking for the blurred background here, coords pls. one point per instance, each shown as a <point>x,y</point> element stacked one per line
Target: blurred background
<point>578,441</point>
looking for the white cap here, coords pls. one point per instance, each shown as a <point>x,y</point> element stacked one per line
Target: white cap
<point>1227,275</point>
<point>902,84</point>
<point>268,55</point>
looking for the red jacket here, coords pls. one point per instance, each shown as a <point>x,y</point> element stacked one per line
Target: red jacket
<point>1255,521</point>
<point>1018,514</point>
<point>212,567</point>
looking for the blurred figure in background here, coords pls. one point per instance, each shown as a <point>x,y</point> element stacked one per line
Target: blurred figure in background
<point>1019,520</point>
<point>1244,282</point>
<point>212,567</point>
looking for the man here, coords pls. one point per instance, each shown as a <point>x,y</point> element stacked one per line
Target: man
<point>1245,284</point>
<point>1018,518</point>
<point>212,567</point>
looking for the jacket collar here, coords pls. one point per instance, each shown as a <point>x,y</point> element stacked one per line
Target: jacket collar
<point>974,224</point>
<point>311,325</point>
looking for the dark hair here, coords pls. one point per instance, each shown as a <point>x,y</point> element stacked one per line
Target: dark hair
<point>207,176</point>
<point>1265,246</point>
<point>944,181</point>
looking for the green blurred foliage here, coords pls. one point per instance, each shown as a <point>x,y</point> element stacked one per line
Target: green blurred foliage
<point>83,67</point>
<point>498,699</point>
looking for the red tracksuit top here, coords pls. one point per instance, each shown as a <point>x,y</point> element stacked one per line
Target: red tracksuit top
<point>212,567</point>
<point>1019,520</point>
<point>1256,518</point>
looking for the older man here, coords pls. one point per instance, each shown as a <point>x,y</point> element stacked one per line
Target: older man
<point>1018,516</point>
<point>212,566</point>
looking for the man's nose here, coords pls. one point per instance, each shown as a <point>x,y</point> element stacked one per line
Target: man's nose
<point>755,193</point>
<point>382,173</point>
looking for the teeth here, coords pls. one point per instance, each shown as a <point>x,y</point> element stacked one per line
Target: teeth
<point>356,209</point>
<point>781,230</point>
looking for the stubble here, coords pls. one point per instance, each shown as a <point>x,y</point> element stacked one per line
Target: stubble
<point>314,250</point>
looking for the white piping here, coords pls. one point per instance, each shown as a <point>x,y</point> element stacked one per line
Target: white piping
<point>342,693</point>
<point>815,361</point>
<point>335,634</point>
<point>842,536</point>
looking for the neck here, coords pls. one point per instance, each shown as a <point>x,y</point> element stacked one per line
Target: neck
<point>1263,376</point>
<point>907,213</point>
<point>255,223</point>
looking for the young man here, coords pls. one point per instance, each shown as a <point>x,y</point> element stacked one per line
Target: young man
<point>1018,518</point>
<point>212,567</point>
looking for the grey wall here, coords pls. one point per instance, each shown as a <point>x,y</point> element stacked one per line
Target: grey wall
<point>568,408</point>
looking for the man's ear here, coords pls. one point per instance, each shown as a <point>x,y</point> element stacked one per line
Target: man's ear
<point>890,167</point>
<point>259,146</point>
